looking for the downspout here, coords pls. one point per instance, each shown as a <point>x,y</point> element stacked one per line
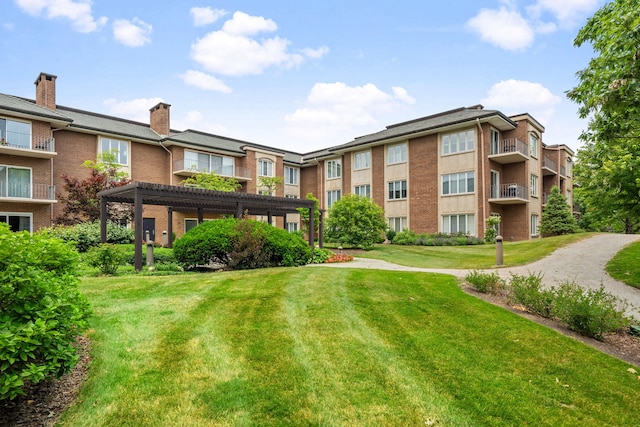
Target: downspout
<point>484,208</point>
<point>52,182</point>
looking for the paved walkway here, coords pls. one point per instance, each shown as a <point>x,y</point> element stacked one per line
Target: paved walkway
<point>582,262</point>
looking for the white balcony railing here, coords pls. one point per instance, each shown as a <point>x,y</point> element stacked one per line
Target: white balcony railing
<point>509,145</point>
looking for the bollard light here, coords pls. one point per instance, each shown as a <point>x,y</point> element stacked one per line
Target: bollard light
<point>499,254</point>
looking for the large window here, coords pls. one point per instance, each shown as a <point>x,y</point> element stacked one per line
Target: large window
<point>458,183</point>
<point>495,142</point>
<point>206,163</point>
<point>334,169</point>
<point>534,225</point>
<point>265,167</point>
<point>362,160</point>
<point>332,197</point>
<point>397,154</point>
<point>362,190</point>
<point>458,142</point>
<point>459,224</point>
<point>397,190</point>
<point>398,223</point>
<point>533,145</point>
<point>534,186</point>
<point>120,149</point>
<point>292,227</point>
<point>16,221</point>
<point>14,133</point>
<point>291,175</point>
<point>15,182</point>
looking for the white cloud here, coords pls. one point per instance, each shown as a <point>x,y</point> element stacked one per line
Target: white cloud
<point>195,120</point>
<point>520,96</point>
<point>135,109</point>
<point>134,33</point>
<point>205,15</point>
<point>567,12</point>
<point>334,110</point>
<point>204,81</point>
<point>234,51</point>
<point>78,12</point>
<point>504,28</point>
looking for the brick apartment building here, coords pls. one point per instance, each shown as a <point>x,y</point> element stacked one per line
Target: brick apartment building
<point>447,172</point>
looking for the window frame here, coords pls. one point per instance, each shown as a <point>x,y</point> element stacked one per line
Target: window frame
<point>469,219</point>
<point>397,150</point>
<point>357,164</point>
<point>533,184</point>
<point>7,182</point>
<point>393,191</point>
<point>469,176</point>
<point>334,169</point>
<point>450,147</point>
<point>331,195</point>
<point>534,141</point>
<point>357,189</point>
<point>117,152</point>
<point>14,143</point>
<point>289,173</point>
<point>265,167</point>
<point>393,223</point>
<point>28,215</point>
<point>292,227</point>
<point>535,224</point>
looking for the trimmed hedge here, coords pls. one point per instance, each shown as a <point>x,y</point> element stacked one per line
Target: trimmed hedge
<point>87,234</point>
<point>411,238</point>
<point>240,244</point>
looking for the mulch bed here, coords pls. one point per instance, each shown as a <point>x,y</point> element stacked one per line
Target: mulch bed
<point>44,403</point>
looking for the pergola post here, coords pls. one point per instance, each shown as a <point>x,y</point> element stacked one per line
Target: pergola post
<point>312,227</point>
<point>200,216</point>
<point>321,229</point>
<point>103,220</point>
<point>238,210</point>
<point>137,203</point>
<point>170,227</point>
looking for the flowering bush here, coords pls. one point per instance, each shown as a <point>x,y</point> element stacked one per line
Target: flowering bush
<point>339,258</point>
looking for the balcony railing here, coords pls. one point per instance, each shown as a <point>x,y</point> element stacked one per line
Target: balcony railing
<point>27,191</point>
<point>510,150</point>
<point>509,191</point>
<point>191,167</point>
<point>24,141</point>
<point>549,165</point>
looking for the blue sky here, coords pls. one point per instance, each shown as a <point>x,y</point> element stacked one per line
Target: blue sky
<point>301,76</point>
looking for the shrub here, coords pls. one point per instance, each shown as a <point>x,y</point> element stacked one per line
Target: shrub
<point>320,256</point>
<point>390,234</point>
<point>41,309</point>
<point>160,255</point>
<point>489,283</point>
<point>405,237</point>
<point>240,244</point>
<point>355,221</point>
<point>528,291</point>
<point>409,237</point>
<point>107,257</point>
<point>590,312</point>
<point>87,234</point>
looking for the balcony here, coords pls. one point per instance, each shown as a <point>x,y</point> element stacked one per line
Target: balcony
<point>549,167</point>
<point>20,192</point>
<point>25,146</point>
<point>189,168</point>
<point>510,150</point>
<point>509,194</point>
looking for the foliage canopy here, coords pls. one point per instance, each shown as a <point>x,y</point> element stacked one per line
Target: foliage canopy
<point>356,221</point>
<point>556,216</point>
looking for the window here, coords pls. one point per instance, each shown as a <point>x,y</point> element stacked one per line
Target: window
<point>534,225</point>
<point>14,133</point>
<point>397,154</point>
<point>291,196</point>
<point>291,175</point>
<point>190,223</point>
<point>458,142</point>
<point>206,163</point>
<point>16,221</point>
<point>495,142</point>
<point>265,167</point>
<point>495,184</point>
<point>397,190</point>
<point>534,186</point>
<point>398,223</point>
<point>334,169</point>
<point>265,192</point>
<point>15,182</point>
<point>362,190</point>
<point>332,197</point>
<point>458,183</point>
<point>533,145</point>
<point>458,224</point>
<point>362,160</point>
<point>120,149</point>
<point>292,227</point>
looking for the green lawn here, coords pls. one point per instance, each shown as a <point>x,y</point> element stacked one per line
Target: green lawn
<point>334,347</point>
<point>471,257</point>
<point>625,266</point>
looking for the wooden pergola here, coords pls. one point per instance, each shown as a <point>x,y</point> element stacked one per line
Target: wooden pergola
<point>188,199</point>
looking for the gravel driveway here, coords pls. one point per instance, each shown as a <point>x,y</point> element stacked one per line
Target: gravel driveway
<point>582,262</point>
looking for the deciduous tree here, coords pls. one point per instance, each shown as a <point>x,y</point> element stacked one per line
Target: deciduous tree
<point>356,221</point>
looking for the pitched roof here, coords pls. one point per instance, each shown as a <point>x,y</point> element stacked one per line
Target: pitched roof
<point>26,107</point>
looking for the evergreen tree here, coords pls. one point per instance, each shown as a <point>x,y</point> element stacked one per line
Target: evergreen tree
<point>557,217</point>
<point>356,221</point>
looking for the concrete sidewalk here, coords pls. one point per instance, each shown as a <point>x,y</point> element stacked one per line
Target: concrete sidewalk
<point>582,262</point>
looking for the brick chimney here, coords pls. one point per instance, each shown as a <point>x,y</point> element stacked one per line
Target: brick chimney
<point>159,120</point>
<point>46,90</point>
